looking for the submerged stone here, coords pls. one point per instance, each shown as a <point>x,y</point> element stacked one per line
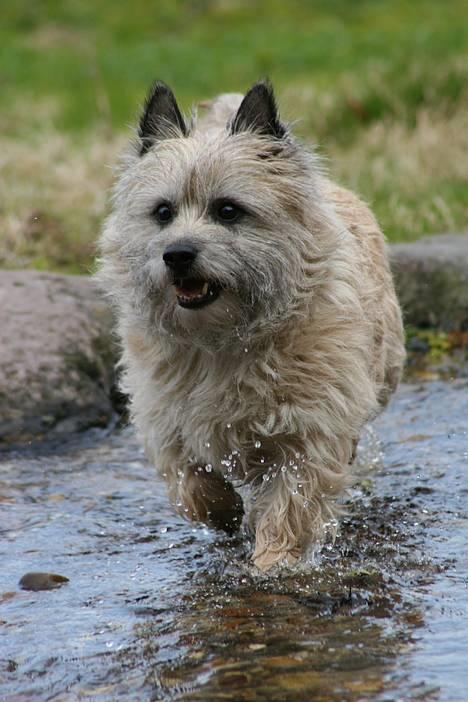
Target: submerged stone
<point>42,581</point>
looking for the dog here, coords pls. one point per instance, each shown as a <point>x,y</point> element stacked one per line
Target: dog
<point>259,324</point>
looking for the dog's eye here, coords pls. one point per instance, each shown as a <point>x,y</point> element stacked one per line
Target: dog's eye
<point>227,211</point>
<point>163,213</point>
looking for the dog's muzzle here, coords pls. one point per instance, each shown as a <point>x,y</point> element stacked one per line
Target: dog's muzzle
<point>192,292</point>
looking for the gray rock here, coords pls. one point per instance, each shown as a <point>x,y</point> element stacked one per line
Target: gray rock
<point>431,277</point>
<point>56,356</point>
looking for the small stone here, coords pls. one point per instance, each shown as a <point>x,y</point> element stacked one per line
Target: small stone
<point>42,581</point>
<point>5,596</point>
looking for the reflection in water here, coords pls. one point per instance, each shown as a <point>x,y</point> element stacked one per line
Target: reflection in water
<point>159,609</point>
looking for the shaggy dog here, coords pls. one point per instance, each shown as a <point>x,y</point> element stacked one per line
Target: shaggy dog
<point>257,314</point>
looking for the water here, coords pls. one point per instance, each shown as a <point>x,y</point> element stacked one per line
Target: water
<point>157,609</point>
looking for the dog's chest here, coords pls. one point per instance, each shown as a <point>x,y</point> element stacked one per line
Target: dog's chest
<point>215,408</point>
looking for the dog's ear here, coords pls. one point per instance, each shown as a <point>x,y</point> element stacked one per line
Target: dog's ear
<point>258,112</point>
<point>161,117</point>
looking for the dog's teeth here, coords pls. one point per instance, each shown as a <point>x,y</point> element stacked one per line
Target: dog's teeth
<point>205,289</point>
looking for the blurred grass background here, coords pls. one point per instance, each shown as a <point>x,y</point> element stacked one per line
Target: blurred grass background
<point>380,85</point>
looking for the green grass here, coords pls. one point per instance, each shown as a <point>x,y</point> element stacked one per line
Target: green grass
<point>98,58</point>
<point>381,85</point>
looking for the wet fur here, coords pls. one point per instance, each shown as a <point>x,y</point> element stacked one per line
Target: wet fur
<point>271,384</point>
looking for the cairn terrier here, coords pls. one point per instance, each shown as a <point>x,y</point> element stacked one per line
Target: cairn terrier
<point>258,318</point>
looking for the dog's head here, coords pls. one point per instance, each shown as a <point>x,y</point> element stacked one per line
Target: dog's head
<point>210,234</point>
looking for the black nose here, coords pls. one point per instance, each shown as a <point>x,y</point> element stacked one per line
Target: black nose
<point>179,257</point>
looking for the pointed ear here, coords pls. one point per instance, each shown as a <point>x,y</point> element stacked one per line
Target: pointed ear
<point>258,112</point>
<point>161,117</point>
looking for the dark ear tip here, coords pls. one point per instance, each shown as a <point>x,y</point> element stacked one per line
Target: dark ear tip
<point>159,86</point>
<point>160,112</point>
<point>259,112</point>
<point>158,90</point>
<point>263,88</point>
<point>264,84</point>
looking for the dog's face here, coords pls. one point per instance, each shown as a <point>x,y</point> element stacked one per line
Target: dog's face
<point>210,227</point>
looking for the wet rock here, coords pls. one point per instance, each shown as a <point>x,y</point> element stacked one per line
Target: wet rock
<point>431,277</point>
<point>42,581</point>
<point>363,577</point>
<point>56,356</point>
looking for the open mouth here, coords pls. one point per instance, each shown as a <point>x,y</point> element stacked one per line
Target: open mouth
<point>193,293</point>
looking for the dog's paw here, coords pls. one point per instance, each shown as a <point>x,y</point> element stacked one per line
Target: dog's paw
<point>226,514</point>
<point>268,559</point>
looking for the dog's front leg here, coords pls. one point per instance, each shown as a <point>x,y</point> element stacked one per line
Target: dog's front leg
<point>293,511</point>
<point>279,522</point>
<point>202,496</point>
<point>209,498</point>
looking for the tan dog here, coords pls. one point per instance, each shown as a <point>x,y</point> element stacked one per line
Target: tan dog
<point>257,313</point>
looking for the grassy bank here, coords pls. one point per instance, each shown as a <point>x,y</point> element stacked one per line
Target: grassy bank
<point>380,85</point>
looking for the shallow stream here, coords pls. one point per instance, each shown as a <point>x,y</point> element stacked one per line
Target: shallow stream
<point>157,609</point>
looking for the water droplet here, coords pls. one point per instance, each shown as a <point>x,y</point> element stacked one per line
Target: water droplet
<point>229,425</point>
<point>283,469</point>
<point>258,444</point>
<point>163,530</point>
<point>246,350</point>
<point>208,467</point>
<point>207,444</point>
